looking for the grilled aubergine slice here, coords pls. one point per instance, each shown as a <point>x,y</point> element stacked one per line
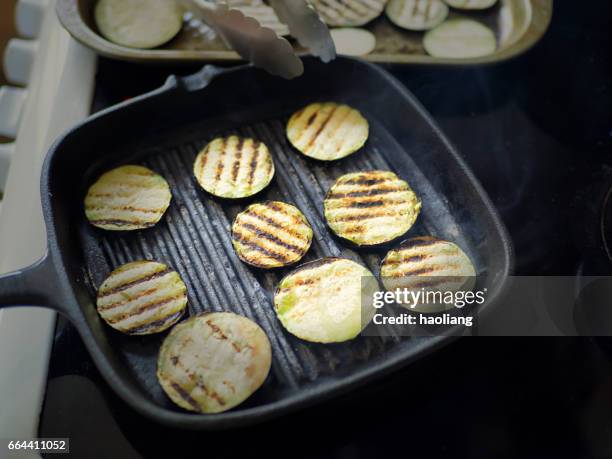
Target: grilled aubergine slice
<point>428,263</point>
<point>321,301</point>
<point>138,23</point>
<point>371,208</point>
<point>327,131</point>
<point>212,362</point>
<point>142,297</point>
<point>271,234</point>
<point>471,4</point>
<point>460,39</point>
<point>127,198</point>
<point>234,167</point>
<point>348,13</point>
<point>416,14</point>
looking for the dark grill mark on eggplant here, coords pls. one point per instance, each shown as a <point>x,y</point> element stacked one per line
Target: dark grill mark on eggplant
<point>277,225</point>
<point>145,307</point>
<point>243,239</point>
<point>365,193</point>
<point>237,160</point>
<point>270,237</point>
<point>323,125</point>
<point>185,396</point>
<point>253,165</point>
<point>122,287</point>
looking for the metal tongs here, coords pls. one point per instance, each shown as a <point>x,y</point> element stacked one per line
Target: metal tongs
<point>262,46</point>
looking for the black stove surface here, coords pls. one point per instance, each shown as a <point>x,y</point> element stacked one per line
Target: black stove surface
<point>537,132</point>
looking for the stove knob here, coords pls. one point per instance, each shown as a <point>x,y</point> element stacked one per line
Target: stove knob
<point>29,16</point>
<point>11,104</point>
<point>18,60</point>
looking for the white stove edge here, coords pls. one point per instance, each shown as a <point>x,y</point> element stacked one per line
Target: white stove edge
<point>60,92</point>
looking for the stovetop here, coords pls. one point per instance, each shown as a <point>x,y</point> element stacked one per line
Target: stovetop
<point>537,132</point>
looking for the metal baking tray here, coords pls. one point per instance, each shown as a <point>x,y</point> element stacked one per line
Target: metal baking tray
<point>518,24</point>
<point>164,130</point>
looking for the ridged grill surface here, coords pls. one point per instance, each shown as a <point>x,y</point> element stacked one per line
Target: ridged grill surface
<point>194,238</point>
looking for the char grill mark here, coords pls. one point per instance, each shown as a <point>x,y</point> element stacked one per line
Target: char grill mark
<point>237,160</point>
<point>322,126</point>
<point>204,160</point>
<point>365,181</point>
<point>220,163</point>
<point>362,204</point>
<point>270,237</point>
<point>185,396</point>
<point>365,193</point>
<point>411,259</point>
<point>143,308</point>
<point>244,240</point>
<point>253,164</point>
<point>132,283</point>
<point>275,224</point>
<point>427,11</point>
<point>128,300</point>
<point>368,216</point>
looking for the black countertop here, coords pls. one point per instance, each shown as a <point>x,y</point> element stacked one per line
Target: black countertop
<point>537,132</point>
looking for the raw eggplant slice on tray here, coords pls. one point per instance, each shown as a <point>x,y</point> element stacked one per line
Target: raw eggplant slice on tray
<point>141,298</point>
<point>460,39</point>
<point>327,131</point>
<point>271,234</point>
<point>371,208</point>
<point>326,301</point>
<point>140,24</point>
<point>416,15</point>
<point>212,362</point>
<point>234,167</point>
<point>127,198</point>
<point>351,41</point>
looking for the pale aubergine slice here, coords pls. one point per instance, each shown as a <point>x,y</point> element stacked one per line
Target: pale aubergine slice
<point>416,15</point>
<point>140,24</point>
<point>234,167</point>
<point>371,208</point>
<point>141,298</point>
<point>350,41</point>
<point>348,13</point>
<point>460,39</point>
<point>271,234</point>
<point>326,301</point>
<point>471,4</point>
<point>327,131</point>
<point>428,263</point>
<point>213,362</point>
<point>127,198</point>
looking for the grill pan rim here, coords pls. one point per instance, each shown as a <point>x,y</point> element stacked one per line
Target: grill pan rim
<point>306,396</point>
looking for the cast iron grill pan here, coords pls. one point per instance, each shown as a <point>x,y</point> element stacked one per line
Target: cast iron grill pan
<point>165,132</point>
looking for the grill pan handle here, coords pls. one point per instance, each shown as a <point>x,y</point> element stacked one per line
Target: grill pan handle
<point>36,285</point>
